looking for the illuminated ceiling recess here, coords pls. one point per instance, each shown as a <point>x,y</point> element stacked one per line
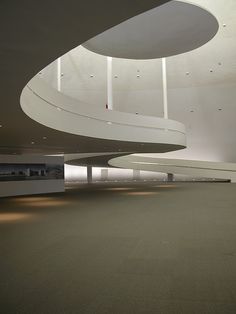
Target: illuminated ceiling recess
<point>173,28</point>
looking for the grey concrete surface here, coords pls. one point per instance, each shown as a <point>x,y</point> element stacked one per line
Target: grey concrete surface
<point>120,248</point>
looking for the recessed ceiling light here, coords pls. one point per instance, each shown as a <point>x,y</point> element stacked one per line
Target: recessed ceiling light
<point>32,142</point>
<point>224,25</point>
<point>138,76</point>
<point>45,137</point>
<point>91,75</point>
<point>116,76</point>
<point>187,73</point>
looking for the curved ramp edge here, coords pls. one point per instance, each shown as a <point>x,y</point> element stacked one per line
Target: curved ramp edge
<point>53,109</point>
<point>208,169</point>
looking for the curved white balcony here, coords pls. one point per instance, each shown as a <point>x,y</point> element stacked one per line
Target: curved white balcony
<point>53,109</point>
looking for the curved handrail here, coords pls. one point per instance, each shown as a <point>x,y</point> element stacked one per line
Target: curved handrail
<point>103,120</point>
<point>39,101</point>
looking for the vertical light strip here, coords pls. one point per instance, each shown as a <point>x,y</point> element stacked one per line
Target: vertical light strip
<point>164,82</point>
<point>109,84</point>
<point>59,74</point>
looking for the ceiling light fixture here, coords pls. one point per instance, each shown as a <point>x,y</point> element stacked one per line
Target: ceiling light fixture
<point>91,75</point>
<point>45,137</point>
<point>32,142</point>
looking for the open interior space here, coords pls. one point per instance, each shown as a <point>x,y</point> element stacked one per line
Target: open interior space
<point>120,248</point>
<point>118,157</point>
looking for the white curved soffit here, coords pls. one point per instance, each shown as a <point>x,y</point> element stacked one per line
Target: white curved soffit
<point>45,105</point>
<point>170,29</point>
<point>207,169</point>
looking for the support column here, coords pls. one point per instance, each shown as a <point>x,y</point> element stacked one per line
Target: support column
<point>104,174</point>
<point>170,177</point>
<point>164,81</point>
<point>59,74</point>
<point>136,174</point>
<point>109,84</point>
<point>89,174</point>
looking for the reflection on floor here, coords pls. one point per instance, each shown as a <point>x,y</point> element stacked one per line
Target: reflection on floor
<point>120,248</point>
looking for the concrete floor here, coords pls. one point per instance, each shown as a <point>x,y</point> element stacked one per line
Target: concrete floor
<point>120,248</point>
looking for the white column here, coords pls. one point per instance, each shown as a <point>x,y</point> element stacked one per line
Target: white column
<point>109,84</point>
<point>164,81</point>
<point>104,174</point>
<point>59,74</point>
<point>136,174</point>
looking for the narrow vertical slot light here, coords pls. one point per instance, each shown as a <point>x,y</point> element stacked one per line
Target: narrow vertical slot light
<point>109,84</point>
<point>164,82</point>
<point>59,74</point>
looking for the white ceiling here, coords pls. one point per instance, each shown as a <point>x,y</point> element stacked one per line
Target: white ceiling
<point>40,39</point>
<point>200,83</point>
<point>171,29</point>
<point>31,36</point>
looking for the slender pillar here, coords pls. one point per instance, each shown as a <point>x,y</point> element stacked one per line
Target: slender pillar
<point>109,84</point>
<point>136,174</point>
<point>170,177</point>
<point>89,174</point>
<point>59,74</point>
<point>164,80</point>
<point>104,174</point>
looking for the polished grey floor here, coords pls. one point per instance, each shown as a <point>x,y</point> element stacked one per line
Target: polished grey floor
<point>120,248</point>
